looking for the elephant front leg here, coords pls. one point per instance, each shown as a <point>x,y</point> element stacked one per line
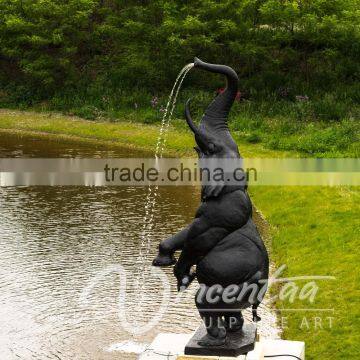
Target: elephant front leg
<point>167,248</point>
<point>182,270</point>
<point>189,254</point>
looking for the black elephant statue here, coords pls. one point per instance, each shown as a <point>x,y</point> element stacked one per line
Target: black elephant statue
<point>222,241</point>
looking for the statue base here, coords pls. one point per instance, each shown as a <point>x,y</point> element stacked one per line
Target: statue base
<point>172,346</point>
<point>237,343</point>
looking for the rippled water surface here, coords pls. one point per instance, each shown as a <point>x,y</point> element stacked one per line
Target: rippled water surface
<point>64,252</point>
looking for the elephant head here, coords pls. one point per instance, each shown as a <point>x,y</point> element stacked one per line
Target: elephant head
<point>213,137</point>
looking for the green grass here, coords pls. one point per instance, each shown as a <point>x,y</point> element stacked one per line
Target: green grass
<point>122,133</point>
<point>314,230</point>
<point>316,139</point>
<point>321,124</point>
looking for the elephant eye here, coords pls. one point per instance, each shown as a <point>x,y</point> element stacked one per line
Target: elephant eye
<point>211,148</point>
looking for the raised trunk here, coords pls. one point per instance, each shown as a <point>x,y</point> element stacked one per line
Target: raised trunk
<point>215,116</point>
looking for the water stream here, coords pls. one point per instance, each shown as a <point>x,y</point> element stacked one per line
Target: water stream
<point>152,192</point>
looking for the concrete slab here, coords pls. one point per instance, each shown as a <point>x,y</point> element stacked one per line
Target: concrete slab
<point>257,353</point>
<point>284,347</point>
<point>166,346</point>
<point>171,347</point>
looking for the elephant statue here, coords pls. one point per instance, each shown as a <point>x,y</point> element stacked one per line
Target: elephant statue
<point>222,241</point>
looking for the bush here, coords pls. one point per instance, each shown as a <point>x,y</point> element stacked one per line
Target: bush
<point>280,49</point>
<point>87,112</point>
<point>330,108</point>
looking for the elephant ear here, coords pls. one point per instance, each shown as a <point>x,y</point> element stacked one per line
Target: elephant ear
<point>211,190</point>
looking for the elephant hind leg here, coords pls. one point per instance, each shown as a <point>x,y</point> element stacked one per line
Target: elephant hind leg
<point>212,317</point>
<point>215,331</point>
<point>233,321</point>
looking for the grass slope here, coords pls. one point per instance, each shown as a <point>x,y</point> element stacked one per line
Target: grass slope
<point>315,230</point>
<point>125,134</point>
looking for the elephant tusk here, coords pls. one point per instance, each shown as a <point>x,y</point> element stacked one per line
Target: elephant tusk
<point>189,120</point>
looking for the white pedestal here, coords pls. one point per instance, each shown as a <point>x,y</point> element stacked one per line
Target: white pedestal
<point>171,346</point>
<point>166,346</point>
<point>276,347</point>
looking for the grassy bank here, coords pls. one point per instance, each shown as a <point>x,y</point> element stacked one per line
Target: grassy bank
<point>122,133</point>
<point>315,125</point>
<point>314,229</point>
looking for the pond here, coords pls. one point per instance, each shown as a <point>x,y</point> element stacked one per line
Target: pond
<point>60,248</point>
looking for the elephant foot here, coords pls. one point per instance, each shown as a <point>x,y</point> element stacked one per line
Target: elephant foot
<point>234,322</point>
<point>209,341</point>
<point>215,332</point>
<point>164,260</point>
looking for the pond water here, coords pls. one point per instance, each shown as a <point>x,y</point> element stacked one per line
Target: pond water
<point>61,249</point>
